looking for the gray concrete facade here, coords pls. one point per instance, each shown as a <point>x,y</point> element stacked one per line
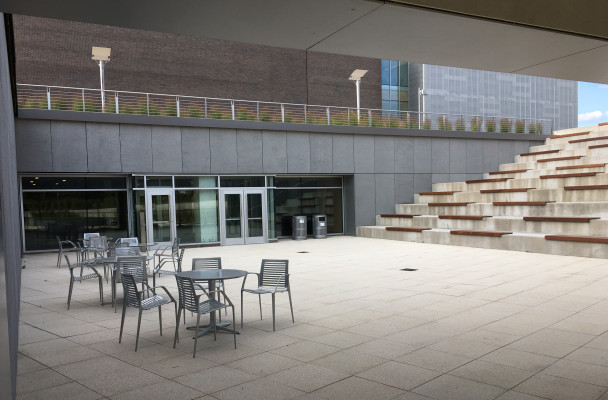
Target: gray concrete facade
<point>10,254</point>
<point>383,166</point>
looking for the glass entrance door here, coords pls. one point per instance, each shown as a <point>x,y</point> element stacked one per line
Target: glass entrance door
<point>243,216</point>
<point>160,216</point>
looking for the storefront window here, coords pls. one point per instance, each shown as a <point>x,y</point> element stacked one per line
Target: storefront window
<point>308,202</point>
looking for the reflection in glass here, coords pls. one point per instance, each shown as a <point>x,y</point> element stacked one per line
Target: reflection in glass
<point>254,215</point>
<point>69,214</point>
<point>197,216</point>
<point>308,202</point>
<point>233,215</point>
<point>139,215</point>
<point>161,221</point>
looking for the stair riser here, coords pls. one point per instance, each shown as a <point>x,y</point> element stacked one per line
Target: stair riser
<point>508,242</point>
<point>530,195</point>
<point>535,173</point>
<point>598,209</point>
<point>554,183</point>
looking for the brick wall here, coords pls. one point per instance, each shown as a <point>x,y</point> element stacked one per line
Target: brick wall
<point>54,52</point>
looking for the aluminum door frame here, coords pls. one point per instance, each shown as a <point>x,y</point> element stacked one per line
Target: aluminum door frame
<point>149,227</point>
<point>244,238</point>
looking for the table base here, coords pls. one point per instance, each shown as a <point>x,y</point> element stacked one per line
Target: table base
<point>220,327</point>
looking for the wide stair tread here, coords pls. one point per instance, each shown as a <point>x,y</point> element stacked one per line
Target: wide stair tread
<point>399,215</point>
<point>580,166</point>
<point>560,219</point>
<point>405,229</point>
<point>479,233</point>
<point>584,239</point>
<point>570,135</point>
<point>464,217</point>
<point>591,139</point>
<point>586,187</point>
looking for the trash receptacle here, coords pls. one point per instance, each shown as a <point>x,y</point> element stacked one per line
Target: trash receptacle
<point>319,226</point>
<point>299,227</point>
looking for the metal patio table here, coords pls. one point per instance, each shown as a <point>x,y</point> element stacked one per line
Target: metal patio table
<point>211,275</point>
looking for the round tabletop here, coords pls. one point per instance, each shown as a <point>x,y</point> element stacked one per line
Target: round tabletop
<point>212,274</point>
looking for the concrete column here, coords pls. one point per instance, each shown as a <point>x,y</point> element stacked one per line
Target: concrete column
<point>10,253</point>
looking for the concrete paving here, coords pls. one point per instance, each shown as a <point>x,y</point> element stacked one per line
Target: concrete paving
<point>374,319</point>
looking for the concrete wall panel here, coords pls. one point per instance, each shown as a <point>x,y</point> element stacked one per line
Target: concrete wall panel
<point>222,143</point>
<point>34,140</point>
<point>249,152</point>
<point>404,188</point>
<point>166,149</point>
<point>474,156</point>
<point>440,155</point>
<point>490,156</point>
<point>423,183</point>
<point>458,156</point>
<point>384,155</point>
<point>196,154</point>
<point>343,154</point>
<point>404,155</point>
<point>364,154</point>
<point>274,152</point>
<point>365,199</point>
<point>69,146</point>
<point>506,151</point>
<point>298,153</point>
<point>103,147</point>
<point>385,193</point>
<point>136,148</point>
<point>321,153</point>
<point>423,161</point>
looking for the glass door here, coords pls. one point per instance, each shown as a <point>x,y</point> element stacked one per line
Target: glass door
<point>243,216</point>
<point>160,216</point>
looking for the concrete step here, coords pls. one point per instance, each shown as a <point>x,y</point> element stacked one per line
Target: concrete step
<point>594,227</point>
<point>528,242</point>
<point>534,173</point>
<point>557,209</point>
<point>552,181</point>
<point>578,194</point>
<point>592,159</point>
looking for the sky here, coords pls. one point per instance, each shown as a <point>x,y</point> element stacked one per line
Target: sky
<point>592,103</point>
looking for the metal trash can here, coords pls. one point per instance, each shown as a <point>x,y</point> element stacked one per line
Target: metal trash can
<point>319,226</point>
<point>298,227</point>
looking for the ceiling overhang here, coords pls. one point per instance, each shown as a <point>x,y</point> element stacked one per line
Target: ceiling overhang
<point>552,38</point>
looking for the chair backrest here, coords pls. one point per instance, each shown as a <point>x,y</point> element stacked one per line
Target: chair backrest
<point>126,251</point>
<point>135,266</point>
<point>70,265</point>
<point>99,244</point>
<point>129,287</point>
<point>129,240</point>
<point>88,236</point>
<point>187,295</point>
<point>273,272</point>
<point>207,263</point>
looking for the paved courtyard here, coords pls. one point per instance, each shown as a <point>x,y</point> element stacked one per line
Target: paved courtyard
<point>466,323</point>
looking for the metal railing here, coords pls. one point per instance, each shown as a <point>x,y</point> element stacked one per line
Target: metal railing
<point>122,102</point>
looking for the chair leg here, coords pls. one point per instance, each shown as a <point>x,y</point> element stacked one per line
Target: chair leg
<point>59,255</point>
<point>260,300</point>
<point>122,321</point>
<point>241,309</point>
<point>198,320</point>
<point>160,320</point>
<point>70,292</point>
<point>178,313</point>
<point>273,293</point>
<point>138,326</point>
<point>100,290</point>
<point>234,327</point>
<point>290,305</point>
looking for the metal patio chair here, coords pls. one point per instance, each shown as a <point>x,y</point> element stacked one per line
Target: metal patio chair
<point>80,277</point>
<point>167,255</point>
<point>65,246</point>
<point>272,278</point>
<point>208,263</point>
<point>141,300</point>
<point>191,301</point>
<point>132,264</point>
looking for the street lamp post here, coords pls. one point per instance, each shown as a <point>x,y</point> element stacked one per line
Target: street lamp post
<point>102,55</point>
<point>356,76</point>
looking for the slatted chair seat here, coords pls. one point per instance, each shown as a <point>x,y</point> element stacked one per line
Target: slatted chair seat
<point>136,298</point>
<point>272,278</point>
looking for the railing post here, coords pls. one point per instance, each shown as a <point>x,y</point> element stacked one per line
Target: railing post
<point>328,120</point>
<point>257,106</point>
<point>305,116</point>
<point>83,104</point>
<point>205,108</point>
<point>232,107</point>
<point>348,116</point>
<point>369,117</point>
<point>389,119</point>
<point>148,103</point>
<point>177,101</point>
<point>48,97</point>
<point>282,112</point>
<point>116,100</point>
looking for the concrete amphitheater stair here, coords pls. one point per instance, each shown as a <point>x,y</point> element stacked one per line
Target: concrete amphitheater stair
<point>552,199</point>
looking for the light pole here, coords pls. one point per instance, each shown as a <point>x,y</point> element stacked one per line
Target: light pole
<point>356,76</point>
<point>102,55</point>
